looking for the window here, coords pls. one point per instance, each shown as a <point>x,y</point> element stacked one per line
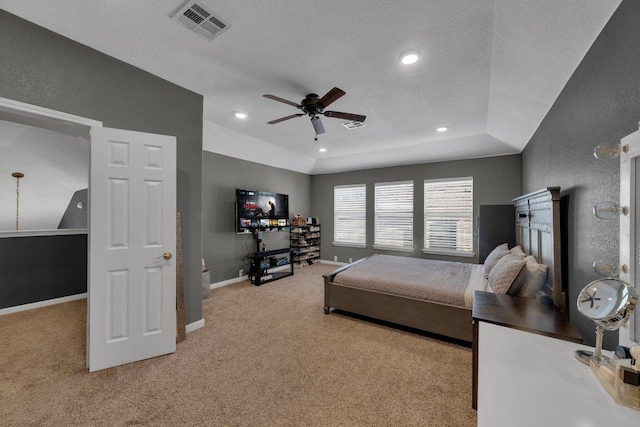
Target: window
<point>350,215</point>
<point>394,216</point>
<point>448,216</point>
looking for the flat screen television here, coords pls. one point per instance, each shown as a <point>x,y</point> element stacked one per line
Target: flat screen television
<point>260,209</point>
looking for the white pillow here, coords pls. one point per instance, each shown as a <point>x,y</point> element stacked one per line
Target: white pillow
<point>493,258</point>
<point>530,280</point>
<point>504,273</point>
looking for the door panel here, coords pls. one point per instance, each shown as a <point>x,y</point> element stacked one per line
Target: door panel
<point>131,309</point>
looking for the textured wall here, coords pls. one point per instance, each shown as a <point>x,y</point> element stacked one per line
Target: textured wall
<point>45,69</point>
<point>225,251</point>
<point>601,102</point>
<point>39,268</point>
<point>496,180</point>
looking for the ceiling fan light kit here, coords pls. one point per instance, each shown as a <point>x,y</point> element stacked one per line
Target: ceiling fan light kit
<point>314,106</point>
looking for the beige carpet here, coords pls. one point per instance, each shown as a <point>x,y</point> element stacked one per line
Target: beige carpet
<point>267,356</point>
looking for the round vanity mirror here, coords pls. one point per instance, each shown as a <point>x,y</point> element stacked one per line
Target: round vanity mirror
<point>608,302</point>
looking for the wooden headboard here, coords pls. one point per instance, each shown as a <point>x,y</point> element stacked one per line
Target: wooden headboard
<point>538,233</point>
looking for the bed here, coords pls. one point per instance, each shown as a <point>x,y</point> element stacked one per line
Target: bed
<point>537,232</point>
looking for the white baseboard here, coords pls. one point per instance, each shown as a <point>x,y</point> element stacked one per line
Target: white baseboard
<point>189,328</point>
<point>195,325</point>
<point>228,282</point>
<point>40,304</point>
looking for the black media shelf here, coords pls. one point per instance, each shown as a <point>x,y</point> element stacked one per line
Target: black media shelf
<point>263,264</point>
<point>264,254</point>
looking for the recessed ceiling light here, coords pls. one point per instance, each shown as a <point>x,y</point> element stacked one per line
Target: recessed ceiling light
<point>239,115</point>
<point>409,58</point>
<point>322,150</point>
<point>442,129</point>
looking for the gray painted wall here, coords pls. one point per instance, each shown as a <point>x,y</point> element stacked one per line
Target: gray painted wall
<point>601,102</point>
<point>42,68</point>
<point>496,180</point>
<point>224,250</point>
<point>38,268</point>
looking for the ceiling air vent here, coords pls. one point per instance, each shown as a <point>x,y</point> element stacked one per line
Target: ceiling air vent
<point>200,20</point>
<point>353,125</point>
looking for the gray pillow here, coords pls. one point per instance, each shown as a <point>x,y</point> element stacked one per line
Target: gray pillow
<point>493,258</point>
<point>505,272</point>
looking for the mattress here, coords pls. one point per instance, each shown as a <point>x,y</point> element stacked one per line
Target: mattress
<point>430,280</point>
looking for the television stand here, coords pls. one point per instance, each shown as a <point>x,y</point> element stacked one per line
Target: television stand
<point>267,266</point>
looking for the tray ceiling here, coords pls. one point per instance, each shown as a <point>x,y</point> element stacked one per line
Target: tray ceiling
<point>489,70</point>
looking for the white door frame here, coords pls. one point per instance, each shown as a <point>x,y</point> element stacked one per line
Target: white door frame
<point>33,111</point>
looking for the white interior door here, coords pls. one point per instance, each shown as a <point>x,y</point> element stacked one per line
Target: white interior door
<point>132,238</point>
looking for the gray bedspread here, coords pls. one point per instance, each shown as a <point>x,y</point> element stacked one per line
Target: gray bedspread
<point>441,281</point>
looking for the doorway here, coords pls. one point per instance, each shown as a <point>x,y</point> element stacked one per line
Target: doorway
<point>131,233</point>
<point>50,151</point>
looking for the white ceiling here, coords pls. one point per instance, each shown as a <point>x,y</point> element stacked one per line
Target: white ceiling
<point>490,70</point>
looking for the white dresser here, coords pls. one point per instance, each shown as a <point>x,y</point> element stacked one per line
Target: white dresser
<point>531,380</point>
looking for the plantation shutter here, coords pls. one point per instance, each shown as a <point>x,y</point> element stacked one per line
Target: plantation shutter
<point>350,215</point>
<point>394,216</point>
<point>448,215</point>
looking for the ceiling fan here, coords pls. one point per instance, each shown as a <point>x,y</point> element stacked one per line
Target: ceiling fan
<point>313,106</point>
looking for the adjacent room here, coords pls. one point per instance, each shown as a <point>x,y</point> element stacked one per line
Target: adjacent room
<point>319,213</point>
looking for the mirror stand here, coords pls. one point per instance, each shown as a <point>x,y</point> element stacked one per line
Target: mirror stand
<point>586,356</point>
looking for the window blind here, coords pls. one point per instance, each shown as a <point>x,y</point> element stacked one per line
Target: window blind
<point>448,215</point>
<point>350,215</point>
<point>394,215</point>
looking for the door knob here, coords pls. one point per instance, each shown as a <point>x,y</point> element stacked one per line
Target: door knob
<point>166,255</point>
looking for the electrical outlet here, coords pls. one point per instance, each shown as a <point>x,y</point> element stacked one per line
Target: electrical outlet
<point>335,257</point>
<point>240,273</point>
<point>350,260</point>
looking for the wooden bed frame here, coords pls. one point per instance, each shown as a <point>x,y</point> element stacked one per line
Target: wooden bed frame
<point>537,232</point>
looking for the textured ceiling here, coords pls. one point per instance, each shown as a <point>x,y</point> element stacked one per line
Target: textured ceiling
<point>490,70</point>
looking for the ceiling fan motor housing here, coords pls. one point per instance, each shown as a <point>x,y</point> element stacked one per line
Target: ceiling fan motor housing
<point>310,104</point>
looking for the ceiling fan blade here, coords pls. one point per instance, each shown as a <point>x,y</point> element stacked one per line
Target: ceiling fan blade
<point>317,125</point>
<point>282,119</point>
<point>331,96</point>
<point>277,98</point>
<point>347,116</point>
